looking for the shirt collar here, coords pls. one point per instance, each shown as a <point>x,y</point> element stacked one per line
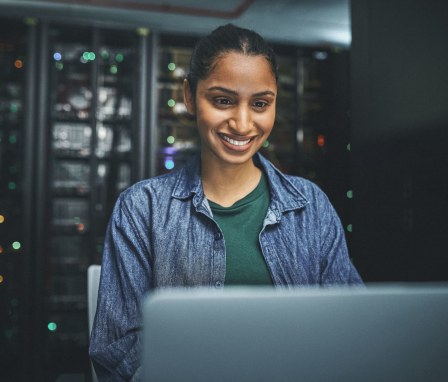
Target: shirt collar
<point>189,182</point>
<point>284,195</point>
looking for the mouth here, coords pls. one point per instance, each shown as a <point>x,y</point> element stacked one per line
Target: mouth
<point>235,142</point>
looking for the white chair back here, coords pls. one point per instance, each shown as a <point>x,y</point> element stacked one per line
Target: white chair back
<point>93,281</point>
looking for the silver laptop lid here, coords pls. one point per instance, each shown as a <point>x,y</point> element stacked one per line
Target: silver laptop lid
<point>378,333</point>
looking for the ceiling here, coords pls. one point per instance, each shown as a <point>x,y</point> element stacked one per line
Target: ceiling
<point>301,22</point>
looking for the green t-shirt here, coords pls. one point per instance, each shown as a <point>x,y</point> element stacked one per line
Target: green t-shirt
<point>241,224</point>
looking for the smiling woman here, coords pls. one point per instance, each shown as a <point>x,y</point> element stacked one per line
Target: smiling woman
<point>235,111</point>
<point>229,217</point>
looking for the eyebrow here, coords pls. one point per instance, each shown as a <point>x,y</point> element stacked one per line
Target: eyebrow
<point>233,92</point>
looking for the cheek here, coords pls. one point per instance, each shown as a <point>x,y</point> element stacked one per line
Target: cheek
<point>266,122</point>
<point>204,121</point>
<point>208,117</point>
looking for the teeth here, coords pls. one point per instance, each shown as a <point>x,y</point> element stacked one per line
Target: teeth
<point>234,142</point>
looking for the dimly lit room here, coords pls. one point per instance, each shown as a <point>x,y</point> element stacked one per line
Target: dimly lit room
<point>94,99</point>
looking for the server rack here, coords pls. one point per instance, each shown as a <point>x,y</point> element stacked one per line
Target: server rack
<point>90,132</point>
<point>17,59</point>
<point>71,117</point>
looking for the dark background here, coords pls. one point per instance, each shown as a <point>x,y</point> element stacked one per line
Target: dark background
<point>399,124</point>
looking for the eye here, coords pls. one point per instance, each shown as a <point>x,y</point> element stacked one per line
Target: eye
<point>260,105</point>
<point>222,101</point>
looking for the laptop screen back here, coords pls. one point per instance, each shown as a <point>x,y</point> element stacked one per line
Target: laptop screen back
<point>378,333</point>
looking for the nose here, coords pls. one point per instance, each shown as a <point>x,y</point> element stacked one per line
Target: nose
<point>241,121</point>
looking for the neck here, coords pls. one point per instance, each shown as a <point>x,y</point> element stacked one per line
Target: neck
<point>225,184</point>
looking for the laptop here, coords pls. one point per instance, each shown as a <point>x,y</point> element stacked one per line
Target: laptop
<point>374,333</point>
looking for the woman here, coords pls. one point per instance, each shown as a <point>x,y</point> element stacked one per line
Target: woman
<point>229,217</point>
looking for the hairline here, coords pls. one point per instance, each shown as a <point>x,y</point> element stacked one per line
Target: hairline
<point>242,53</point>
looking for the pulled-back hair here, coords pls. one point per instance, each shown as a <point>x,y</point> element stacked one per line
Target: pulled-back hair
<point>225,39</point>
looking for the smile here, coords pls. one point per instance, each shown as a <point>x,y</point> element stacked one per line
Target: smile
<point>235,142</point>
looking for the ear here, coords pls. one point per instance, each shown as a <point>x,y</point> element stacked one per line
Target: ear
<point>189,98</point>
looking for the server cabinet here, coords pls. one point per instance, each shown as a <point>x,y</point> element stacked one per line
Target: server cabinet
<point>323,133</point>
<point>15,206</point>
<point>92,86</point>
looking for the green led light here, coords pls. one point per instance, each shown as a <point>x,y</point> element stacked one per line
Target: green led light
<point>266,144</point>
<point>170,139</point>
<point>14,108</point>
<point>113,69</point>
<point>350,228</point>
<point>12,139</point>
<point>350,194</point>
<point>31,21</point>
<point>59,65</point>
<point>171,66</point>
<point>88,56</point>
<point>12,185</point>
<point>52,326</point>
<point>171,103</point>
<point>349,147</point>
<point>16,245</point>
<point>119,57</point>
<point>143,31</point>
<point>105,54</point>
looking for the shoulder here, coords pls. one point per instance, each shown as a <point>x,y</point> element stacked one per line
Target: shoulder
<point>318,204</point>
<point>292,190</point>
<point>145,192</point>
<point>306,187</point>
<point>178,183</point>
<point>317,209</point>
<point>156,184</point>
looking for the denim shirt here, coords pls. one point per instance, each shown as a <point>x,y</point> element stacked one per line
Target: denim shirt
<point>162,234</point>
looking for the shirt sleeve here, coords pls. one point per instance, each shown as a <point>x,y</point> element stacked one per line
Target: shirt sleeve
<point>336,266</point>
<point>125,279</point>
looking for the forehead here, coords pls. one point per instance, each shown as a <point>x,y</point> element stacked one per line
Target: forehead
<point>236,67</point>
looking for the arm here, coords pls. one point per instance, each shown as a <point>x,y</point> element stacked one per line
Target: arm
<point>125,278</point>
<point>336,267</point>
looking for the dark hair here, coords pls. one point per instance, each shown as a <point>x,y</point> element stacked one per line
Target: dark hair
<point>225,39</point>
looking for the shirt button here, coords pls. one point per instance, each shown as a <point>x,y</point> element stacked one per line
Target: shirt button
<point>218,236</point>
<point>218,284</point>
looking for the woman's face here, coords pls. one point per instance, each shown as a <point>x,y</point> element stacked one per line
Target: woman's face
<point>234,107</point>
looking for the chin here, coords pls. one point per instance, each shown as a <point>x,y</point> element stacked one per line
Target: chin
<point>237,159</point>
